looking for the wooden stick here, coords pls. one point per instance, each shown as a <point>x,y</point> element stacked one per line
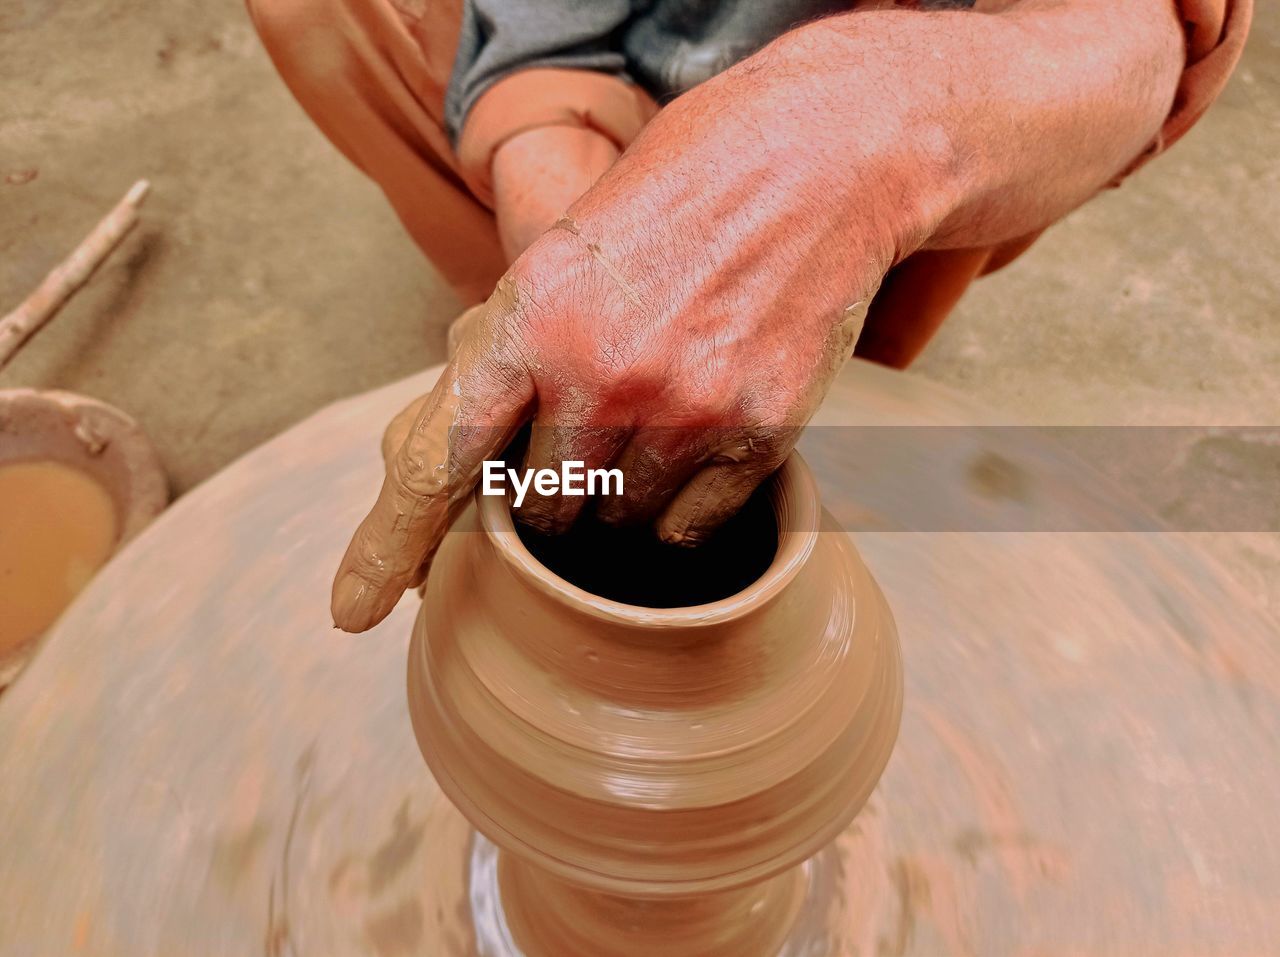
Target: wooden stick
<point>72,273</point>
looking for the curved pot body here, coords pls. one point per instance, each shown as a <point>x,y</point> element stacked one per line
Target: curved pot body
<point>657,751</point>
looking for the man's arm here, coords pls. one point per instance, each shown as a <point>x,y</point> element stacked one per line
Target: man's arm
<point>1029,112</point>
<point>988,125</point>
<point>687,317</point>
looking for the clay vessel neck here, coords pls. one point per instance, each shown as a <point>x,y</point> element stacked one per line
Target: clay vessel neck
<point>631,652</point>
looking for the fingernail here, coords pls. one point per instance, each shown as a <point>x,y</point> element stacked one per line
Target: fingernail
<point>352,603</point>
<point>684,537</point>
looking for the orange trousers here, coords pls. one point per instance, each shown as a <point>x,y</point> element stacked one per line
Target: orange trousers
<point>372,75</point>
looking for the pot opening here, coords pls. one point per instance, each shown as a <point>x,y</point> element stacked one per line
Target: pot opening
<point>633,566</point>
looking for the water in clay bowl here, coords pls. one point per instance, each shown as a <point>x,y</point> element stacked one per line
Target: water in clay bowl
<point>78,478</point>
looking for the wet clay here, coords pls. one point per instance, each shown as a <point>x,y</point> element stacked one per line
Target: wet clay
<point>656,777</point>
<point>57,526</point>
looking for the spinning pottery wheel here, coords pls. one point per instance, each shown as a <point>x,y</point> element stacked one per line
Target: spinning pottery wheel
<point>196,763</point>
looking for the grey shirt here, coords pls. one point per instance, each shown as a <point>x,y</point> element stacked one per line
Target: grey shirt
<point>667,46</point>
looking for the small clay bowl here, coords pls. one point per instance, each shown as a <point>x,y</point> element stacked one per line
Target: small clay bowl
<point>50,426</point>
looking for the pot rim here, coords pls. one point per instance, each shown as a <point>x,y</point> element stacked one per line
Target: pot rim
<point>793,492</point>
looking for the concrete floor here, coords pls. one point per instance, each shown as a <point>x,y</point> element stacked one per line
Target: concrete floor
<point>269,278</point>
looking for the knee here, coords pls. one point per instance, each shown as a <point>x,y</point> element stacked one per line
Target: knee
<point>279,22</point>
<point>300,35</point>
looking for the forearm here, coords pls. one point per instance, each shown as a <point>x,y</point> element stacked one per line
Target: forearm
<point>1020,116</point>
<point>807,170</point>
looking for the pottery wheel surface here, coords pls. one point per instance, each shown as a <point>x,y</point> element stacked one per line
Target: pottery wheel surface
<point>197,763</point>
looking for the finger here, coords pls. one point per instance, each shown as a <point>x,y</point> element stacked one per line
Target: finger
<point>550,445</point>
<point>459,328</point>
<point>398,428</point>
<point>513,450</point>
<point>393,438</point>
<point>481,399</point>
<point>721,488</point>
<point>655,465</point>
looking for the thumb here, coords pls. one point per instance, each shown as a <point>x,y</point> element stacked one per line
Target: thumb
<point>481,399</point>
<point>397,429</point>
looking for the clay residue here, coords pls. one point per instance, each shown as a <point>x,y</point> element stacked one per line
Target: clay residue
<point>1024,859</point>
<point>927,890</point>
<point>629,291</point>
<point>994,477</point>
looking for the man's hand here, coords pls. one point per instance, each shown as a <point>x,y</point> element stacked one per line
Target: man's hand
<point>685,319</point>
<point>682,324</point>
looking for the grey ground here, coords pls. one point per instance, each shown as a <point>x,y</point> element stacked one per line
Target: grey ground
<point>269,277</point>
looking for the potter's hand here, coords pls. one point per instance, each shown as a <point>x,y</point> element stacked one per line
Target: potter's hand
<point>681,324</point>
<point>685,319</point>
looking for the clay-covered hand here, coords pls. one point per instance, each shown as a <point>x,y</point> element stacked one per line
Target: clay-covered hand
<point>682,323</point>
<point>686,317</point>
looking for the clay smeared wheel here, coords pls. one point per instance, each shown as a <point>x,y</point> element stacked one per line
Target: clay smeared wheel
<point>197,763</point>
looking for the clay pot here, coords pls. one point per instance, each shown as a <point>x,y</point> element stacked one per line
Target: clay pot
<point>654,776</point>
<point>97,439</point>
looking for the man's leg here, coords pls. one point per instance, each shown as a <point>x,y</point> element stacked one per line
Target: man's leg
<point>372,75</point>
<point>919,293</point>
<point>912,302</point>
